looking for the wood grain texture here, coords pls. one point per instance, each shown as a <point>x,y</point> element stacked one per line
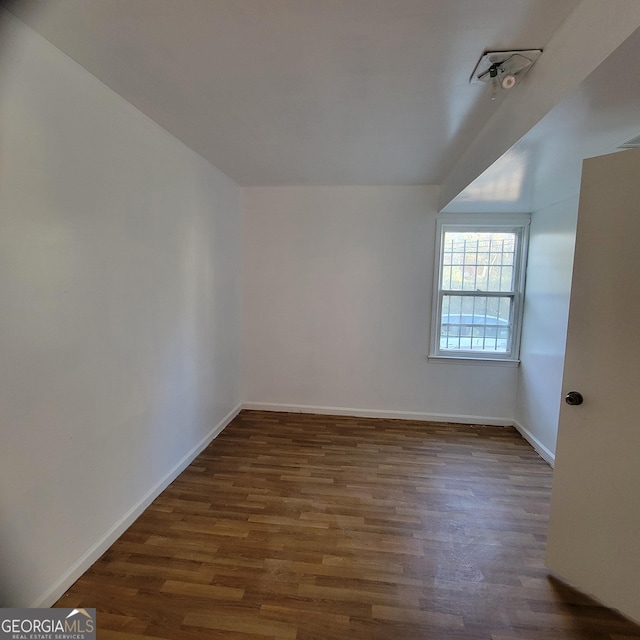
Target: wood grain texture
<point>304,527</point>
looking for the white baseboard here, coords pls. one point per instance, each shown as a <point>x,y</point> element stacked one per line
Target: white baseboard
<point>378,413</point>
<point>53,593</point>
<point>540,448</point>
<point>543,451</point>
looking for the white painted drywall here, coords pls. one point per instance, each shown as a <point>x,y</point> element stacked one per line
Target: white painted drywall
<point>551,247</point>
<point>337,306</point>
<point>119,312</point>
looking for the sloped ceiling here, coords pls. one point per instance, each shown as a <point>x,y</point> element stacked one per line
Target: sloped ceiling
<point>304,92</point>
<point>580,101</point>
<point>544,166</point>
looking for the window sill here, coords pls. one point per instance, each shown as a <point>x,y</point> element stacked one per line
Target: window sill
<point>474,361</point>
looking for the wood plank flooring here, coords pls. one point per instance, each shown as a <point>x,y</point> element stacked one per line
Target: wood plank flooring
<point>304,527</point>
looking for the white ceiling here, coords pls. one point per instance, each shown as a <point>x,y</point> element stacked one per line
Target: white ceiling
<point>288,92</point>
<point>544,165</point>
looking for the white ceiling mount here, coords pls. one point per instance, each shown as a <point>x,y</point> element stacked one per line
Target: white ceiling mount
<point>504,69</point>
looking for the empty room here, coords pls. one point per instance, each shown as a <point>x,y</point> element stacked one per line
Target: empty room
<point>318,319</point>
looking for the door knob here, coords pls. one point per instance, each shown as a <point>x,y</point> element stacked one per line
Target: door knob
<point>574,398</point>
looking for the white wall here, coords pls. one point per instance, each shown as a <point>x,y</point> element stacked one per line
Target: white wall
<point>119,314</point>
<point>337,299</point>
<point>546,311</point>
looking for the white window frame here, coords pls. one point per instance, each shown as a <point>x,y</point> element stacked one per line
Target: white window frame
<point>481,222</point>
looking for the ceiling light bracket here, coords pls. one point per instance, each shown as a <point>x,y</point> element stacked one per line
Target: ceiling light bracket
<point>504,69</point>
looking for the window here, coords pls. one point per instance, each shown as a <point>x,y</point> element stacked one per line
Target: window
<point>478,293</point>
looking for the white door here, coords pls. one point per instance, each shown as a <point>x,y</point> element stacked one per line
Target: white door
<point>594,533</point>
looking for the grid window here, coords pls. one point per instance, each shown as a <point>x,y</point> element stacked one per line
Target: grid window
<point>479,290</point>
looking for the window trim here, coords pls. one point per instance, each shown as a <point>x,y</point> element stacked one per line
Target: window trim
<point>481,222</point>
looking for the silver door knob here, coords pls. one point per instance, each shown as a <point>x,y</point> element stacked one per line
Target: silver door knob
<point>574,398</point>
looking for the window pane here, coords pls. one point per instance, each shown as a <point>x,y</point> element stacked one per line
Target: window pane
<point>480,261</point>
<point>476,323</point>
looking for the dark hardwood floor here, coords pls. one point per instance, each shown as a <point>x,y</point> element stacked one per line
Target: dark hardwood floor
<point>305,527</point>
